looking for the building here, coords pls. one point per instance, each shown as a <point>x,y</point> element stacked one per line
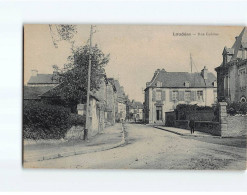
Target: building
<point>121,101</point>
<point>168,89</point>
<point>135,111</point>
<point>43,79</point>
<point>39,84</point>
<point>43,87</point>
<point>107,95</point>
<point>232,73</point>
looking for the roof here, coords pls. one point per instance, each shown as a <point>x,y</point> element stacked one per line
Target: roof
<point>178,79</point>
<point>42,79</point>
<point>56,92</point>
<point>241,41</point>
<point>33,93</point>
<point>136,105</point>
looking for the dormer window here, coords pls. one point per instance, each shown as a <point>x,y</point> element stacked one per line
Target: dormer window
<point>215,83</point>
<point>187,84</point>
<point>159,84</point>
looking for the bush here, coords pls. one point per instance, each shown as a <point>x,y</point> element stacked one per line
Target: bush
<point>45,121</point>
<point>195,112</point>
<point>77,120</point>
<point>234,108</point>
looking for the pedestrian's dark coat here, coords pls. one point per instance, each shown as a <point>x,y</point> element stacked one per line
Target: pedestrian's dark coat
<point>192,124</point>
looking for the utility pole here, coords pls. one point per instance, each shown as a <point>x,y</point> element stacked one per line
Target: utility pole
<point>190,63</point>
<point>88,86</point>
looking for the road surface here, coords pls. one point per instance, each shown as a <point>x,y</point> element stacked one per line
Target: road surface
<point>150,148</point>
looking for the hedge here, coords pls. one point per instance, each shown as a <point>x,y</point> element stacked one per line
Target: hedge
<point>46,121</point>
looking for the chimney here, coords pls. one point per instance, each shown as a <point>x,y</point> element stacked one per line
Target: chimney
<point>205,73</point>
<point>156,71</point>
<point>236,38</point>
<point>34,73</point>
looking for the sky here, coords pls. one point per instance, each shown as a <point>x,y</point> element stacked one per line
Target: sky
<point>136,51</point>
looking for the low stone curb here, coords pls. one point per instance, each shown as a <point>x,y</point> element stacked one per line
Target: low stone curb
<point>163,128</point>
<point>66,154</point>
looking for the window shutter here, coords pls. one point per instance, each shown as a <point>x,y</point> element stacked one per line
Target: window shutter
<point>181,95</point>
<point>170,95</point>
<point>163,95</point>
<point>154,96</point>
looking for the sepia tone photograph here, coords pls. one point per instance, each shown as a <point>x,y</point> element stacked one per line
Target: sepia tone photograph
<point>134,97</point>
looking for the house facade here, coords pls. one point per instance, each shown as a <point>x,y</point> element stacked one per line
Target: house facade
<point>168,89</point>
<point>136,111</point>
<point>232,73</point>
<point>121,101</point>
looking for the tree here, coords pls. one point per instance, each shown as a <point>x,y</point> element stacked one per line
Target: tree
<point>73,77</point>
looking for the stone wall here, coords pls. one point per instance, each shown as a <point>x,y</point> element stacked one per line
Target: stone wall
<point>183,124</point>
<point>209,127</point>
<point>232,126</point>
<point>236,126</point>
<point>212,128</point>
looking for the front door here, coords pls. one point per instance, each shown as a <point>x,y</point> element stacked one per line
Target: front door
<point>158,113</point>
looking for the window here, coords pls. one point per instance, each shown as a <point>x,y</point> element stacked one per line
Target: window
<point>174,95</point>
<point>187,96</point>
<point>159,84</point>
<point>215,83</point>
<point>187,84</point>
<point>243,99</point>
<point>199,95</point>
<point>158,95</point>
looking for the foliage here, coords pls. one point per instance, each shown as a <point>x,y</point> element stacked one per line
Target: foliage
<point>184,110</point>
<point>77,120</point>
<point>74,75</point>
<point>66,31</point>
<point>44,121</point>
<point>216,112</point>
<point>234,108</point>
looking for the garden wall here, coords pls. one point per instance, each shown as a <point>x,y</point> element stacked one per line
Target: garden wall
<point>236,126</point>
<point>232,126</point>
<point>209,127</point>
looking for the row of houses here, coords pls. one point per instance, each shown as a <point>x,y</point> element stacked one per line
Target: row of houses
<point>168,89</point>
<point>107,104</point>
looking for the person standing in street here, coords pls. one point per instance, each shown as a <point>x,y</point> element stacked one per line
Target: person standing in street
<point>192,126</point>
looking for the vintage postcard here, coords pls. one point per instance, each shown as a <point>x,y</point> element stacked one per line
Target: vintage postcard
<point>135,97</point>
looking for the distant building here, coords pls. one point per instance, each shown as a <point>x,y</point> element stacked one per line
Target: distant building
<point>39,84</point>
<point>232,73</point>
<point>168,89</point>
<point>135,111</point>
<point>121,100</point>
<point>43,79</point>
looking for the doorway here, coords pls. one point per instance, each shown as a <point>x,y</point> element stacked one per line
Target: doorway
<point>158,113</point>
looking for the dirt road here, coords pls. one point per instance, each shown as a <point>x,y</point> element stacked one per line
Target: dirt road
<point>150,148</point>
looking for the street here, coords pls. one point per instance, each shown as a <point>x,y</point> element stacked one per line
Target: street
<point>149,148</point>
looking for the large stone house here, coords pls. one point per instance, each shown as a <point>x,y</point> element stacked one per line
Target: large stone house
<point>168,89</point>
<point>232,73</point>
